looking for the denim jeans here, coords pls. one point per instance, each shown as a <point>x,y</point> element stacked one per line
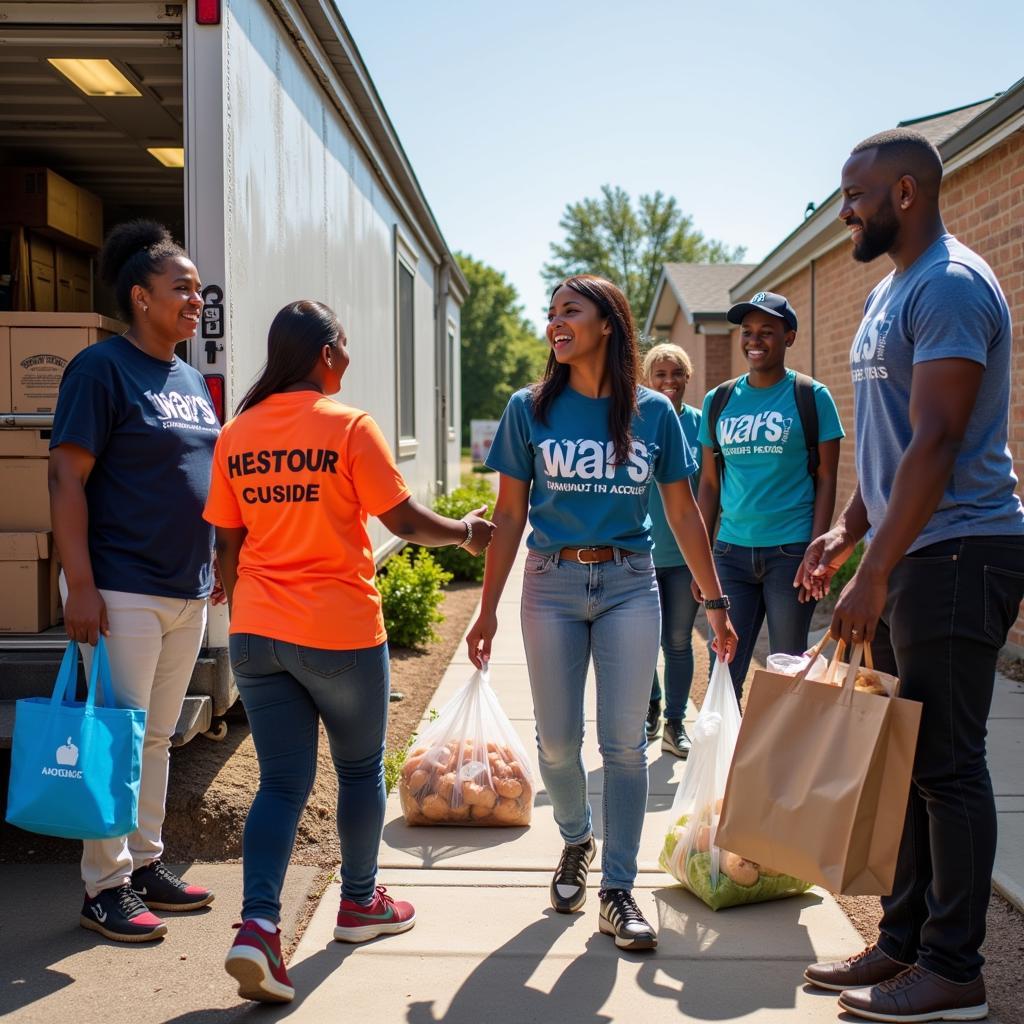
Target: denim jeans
<point>287,690</point>
<point>678,614</point>
<point>759,582</point>
<point>610,611</point>
<point>949,610</point>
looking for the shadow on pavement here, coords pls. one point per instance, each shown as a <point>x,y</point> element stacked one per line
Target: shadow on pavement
<point>434,845</point>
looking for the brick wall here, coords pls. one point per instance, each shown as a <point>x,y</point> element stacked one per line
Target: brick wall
<point>685,336</point>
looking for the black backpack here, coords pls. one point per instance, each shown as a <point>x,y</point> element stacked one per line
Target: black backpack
<point>803,392</point>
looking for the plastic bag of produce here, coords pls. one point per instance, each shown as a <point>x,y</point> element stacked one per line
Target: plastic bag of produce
<point>794,664</point>
<point>468,767</point>
<point>689,854</point>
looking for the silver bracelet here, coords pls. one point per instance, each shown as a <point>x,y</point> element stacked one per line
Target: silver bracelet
<point>469,533</point>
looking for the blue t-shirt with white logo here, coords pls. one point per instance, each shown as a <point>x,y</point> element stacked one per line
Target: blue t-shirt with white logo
<point>946,305</point>
<point>579,497</point>
<point>666,550</point>
<point>767,497</point>
<point>152,427</point>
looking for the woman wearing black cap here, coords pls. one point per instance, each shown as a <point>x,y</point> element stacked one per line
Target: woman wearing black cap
<point>771,452</point>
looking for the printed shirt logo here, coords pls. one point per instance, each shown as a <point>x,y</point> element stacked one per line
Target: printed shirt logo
<point>765,433</point>
<point>183,412</point>
<point>567,464</point>
<point>66,758</point>
<point>867,356</point>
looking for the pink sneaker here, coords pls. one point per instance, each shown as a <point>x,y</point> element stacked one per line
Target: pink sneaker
<point>255,962</point>
<point>384,916</point>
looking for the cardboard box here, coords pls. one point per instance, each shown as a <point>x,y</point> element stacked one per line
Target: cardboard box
<point>42,272</point>
<point>37,198</point>
<point>25,582</point>
<point>74,281</point>
<point>24,495</point>
<point>23,443</point>
<point>5,370</point>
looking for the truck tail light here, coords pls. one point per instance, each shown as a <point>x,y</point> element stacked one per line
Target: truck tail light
<point>207,12</point>
<point>215,385</point>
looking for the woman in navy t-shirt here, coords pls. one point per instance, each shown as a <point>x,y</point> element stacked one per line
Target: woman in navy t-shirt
<point>130,459</point>
<point>578,454</point>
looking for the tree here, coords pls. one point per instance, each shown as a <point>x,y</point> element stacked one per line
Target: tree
<point>607,236</point>
<point>500,350</point>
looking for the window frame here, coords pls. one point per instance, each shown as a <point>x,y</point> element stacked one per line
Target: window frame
<point>407,259</point>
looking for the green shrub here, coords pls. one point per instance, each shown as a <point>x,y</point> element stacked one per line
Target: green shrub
<point>471,495</point>
<point>410,590</point>
<point>393,762</point>
<point>845,572</point>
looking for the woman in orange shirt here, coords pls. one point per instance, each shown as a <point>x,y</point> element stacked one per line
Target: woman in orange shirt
<point>295,476</point>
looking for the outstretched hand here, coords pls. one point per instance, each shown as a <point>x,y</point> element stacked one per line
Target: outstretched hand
<point>483,531</point>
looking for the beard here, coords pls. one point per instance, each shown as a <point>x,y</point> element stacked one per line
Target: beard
<point>878,235</point>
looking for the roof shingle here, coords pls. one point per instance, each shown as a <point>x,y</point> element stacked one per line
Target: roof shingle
<point>704,287</point>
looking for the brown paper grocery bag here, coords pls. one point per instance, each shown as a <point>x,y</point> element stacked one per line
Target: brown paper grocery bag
<point>820,777</point>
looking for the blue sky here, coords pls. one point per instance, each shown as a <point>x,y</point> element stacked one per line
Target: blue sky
<point>743,111</point>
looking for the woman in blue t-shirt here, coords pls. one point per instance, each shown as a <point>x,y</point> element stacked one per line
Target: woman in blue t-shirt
<point>577,454</point>
<point>770,504</point>
<point>130,457</point>
<point>667,369</point>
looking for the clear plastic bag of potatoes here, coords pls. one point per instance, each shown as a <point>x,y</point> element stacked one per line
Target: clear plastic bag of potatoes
<point>468,767</point>
<point>689,854</point>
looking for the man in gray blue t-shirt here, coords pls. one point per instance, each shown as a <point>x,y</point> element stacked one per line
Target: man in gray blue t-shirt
<point>941,581</point>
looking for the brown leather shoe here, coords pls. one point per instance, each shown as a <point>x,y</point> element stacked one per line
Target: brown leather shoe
<point>868,967</point>
<point>917,995</point>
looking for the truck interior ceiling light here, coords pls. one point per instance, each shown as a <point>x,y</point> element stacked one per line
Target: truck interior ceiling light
<point>168,155</point>
<point>94,77</point>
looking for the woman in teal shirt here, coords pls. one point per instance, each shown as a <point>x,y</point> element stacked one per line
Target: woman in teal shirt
<point>667,370</point>
<point>771,507</point>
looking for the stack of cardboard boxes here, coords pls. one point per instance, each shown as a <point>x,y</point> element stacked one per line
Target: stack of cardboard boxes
<point>55,227</point>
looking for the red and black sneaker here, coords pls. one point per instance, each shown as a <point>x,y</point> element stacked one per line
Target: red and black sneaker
<point>120,915</point>
<point>383,916</point>
<point>162,889</point>
<point>255,962</point>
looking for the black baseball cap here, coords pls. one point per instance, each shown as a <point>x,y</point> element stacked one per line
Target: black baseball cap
<point>766,302</point>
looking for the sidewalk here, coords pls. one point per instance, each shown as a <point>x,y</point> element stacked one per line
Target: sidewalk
<point>487,945</point>
<point>1006,762</point>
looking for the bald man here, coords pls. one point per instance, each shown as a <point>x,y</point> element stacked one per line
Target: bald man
<point>941,581</point>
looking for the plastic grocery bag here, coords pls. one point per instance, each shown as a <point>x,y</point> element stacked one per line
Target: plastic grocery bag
<point>794,664</point>
<point>689,854</point>
<point>468,767</point>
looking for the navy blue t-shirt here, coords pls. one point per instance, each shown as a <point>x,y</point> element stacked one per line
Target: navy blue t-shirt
<point>152,427</point>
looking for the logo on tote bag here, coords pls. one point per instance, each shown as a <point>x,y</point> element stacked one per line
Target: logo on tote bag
<point>67,758</point>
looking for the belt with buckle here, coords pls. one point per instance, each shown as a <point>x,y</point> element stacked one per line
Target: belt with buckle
<point>587,556</point>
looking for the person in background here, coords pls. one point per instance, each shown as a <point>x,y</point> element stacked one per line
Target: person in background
<point>667,369</point>
<point>578,454</point>
<point>941,581</point>
<point>757,482</point>
<point>130,455</point>
<point>296,476</point>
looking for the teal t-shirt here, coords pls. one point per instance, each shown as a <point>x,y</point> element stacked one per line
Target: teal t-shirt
<point>768,495</point>
<point>666,550</point>
<point>578,496</point>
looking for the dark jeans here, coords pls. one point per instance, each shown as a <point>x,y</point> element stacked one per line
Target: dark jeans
<point>678,613</point>
<point>287,690</point>
<point>759,582</point>
<point>950,608</point>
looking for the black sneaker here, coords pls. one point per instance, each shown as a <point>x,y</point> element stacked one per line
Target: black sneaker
<point>653,719</point>
<point>621,917</point>
<point>120,915</point>
<point>674,738</point>
<point>569,884</point>
<point>162,889</point>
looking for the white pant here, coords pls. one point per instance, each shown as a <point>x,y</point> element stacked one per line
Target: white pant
<point>153,646</point>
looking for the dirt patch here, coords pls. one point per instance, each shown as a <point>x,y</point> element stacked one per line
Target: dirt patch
<point>212,784</point>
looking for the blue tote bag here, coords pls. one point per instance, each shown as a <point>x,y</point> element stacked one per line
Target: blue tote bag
<point>75,768</point>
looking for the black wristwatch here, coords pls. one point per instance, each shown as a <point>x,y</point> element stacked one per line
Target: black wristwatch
<point>714,604</point>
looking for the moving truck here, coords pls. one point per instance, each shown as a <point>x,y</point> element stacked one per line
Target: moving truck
<point>252,129</point>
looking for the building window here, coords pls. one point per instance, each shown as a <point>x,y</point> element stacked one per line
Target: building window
<point>451,380</point>
<point>406,352</point>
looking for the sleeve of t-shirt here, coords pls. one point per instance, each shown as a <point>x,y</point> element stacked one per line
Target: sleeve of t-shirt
<point>377,481</point>
<point>85,413</point>
<point>953,314</point>
<point>511,452</point>
<point>674,462</point>
<point>695,445</point>
<point>830,426</point>
<point>704,435</point>
<point>222,508</point>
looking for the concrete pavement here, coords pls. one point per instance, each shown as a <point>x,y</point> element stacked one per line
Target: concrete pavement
<point>1006,762</point>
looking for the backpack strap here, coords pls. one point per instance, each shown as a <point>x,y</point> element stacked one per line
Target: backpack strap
<point>719,400</point>
<point>803,393</point>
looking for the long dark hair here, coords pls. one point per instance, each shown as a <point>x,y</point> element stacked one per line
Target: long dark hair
<point>623,361</point>
<point>294,342</point>
<point>132,253</point>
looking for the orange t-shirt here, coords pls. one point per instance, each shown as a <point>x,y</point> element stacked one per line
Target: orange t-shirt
<point>301,473</point>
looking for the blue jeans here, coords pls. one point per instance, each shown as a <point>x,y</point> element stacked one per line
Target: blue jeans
<point>611,611</point>
<point>759,582</point>
<point>287,690</point>
<point>678,614</point>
